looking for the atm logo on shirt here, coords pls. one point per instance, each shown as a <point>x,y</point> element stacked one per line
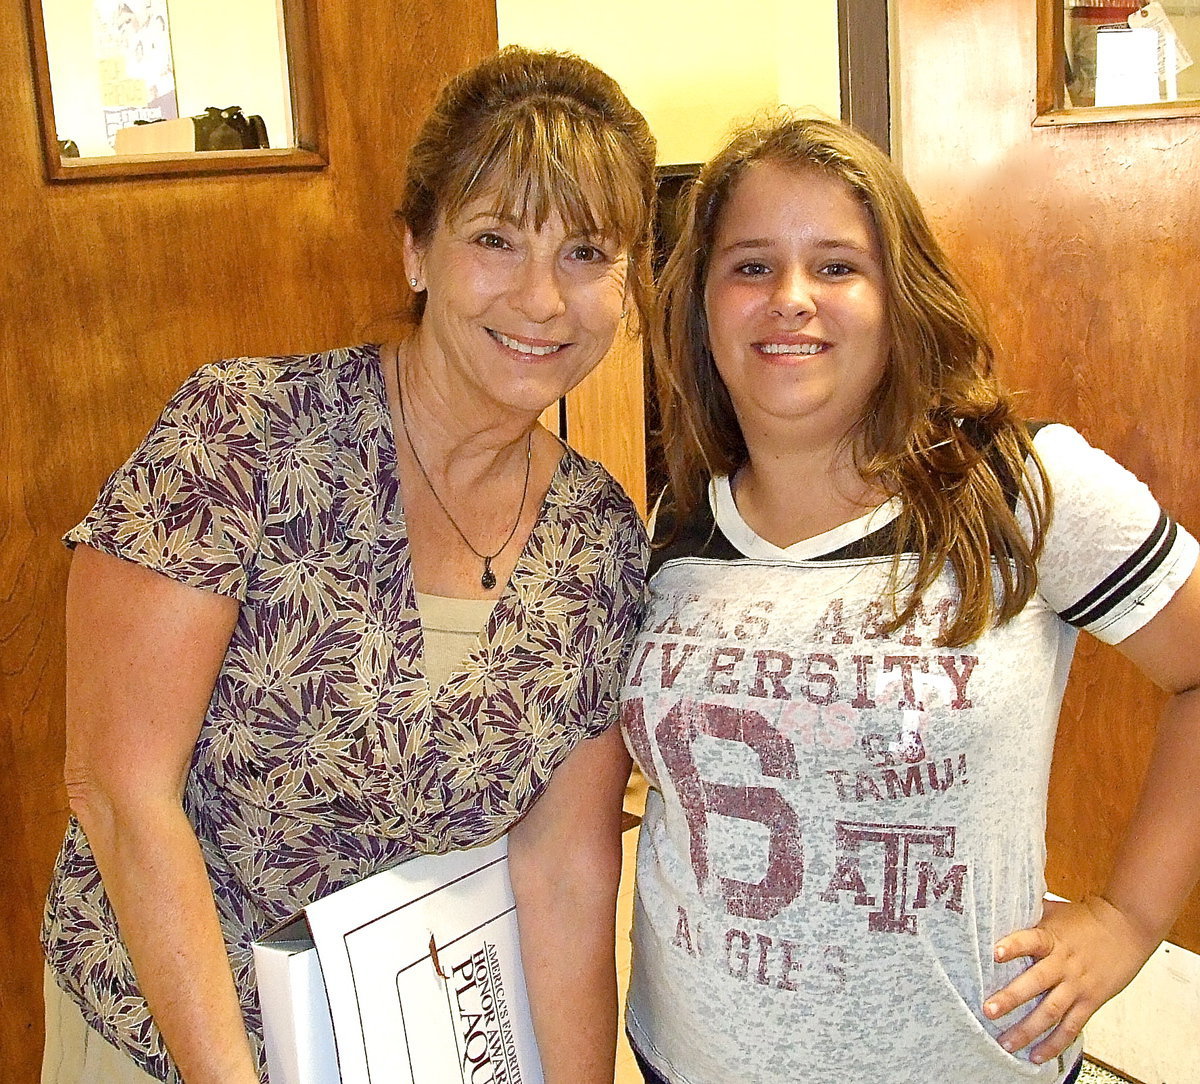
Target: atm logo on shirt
<point>894,870</point>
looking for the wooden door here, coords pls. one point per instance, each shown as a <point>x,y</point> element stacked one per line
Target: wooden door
<point>113,292</point>
<point>605,415</point>
<point>1084,244</point>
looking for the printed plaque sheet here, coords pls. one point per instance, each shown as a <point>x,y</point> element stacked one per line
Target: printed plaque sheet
<point>422,971</point>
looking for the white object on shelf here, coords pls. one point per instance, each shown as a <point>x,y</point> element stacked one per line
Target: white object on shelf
<point>1126,66</point>
<point>1149,1030</point>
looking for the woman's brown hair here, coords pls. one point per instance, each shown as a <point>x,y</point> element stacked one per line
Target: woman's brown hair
<point>547,132</point>
<point>938,431</point>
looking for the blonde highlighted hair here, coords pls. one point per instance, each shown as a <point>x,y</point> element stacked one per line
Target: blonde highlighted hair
<point>546,132</point>
<point>938,431</point>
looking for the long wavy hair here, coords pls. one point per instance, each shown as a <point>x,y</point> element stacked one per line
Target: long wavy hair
<point>938,431</point>
<point>546,132</point>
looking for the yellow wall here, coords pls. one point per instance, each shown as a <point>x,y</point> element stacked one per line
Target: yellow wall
<point>229,52</point>
<point>74,74</point>
<point>694,67</point>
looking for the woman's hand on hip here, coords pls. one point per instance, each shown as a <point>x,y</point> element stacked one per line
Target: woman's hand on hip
<point>1083,954</point>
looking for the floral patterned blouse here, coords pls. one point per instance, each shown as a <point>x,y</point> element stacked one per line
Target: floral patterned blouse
<point>324,756</point>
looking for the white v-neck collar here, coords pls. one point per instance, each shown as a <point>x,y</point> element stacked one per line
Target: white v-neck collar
<point>745,541</point>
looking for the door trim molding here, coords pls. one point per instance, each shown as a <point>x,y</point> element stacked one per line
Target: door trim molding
<point>865,68</point>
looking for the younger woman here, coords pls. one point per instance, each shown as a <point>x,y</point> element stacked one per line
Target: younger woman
<point>869,579</point>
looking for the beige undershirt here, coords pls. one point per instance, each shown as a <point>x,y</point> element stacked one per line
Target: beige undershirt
<point>451,627</point>
<point>74,1053</point>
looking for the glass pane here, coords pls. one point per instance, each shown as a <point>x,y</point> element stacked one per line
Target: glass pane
<point>1120,53</point>
<point>134,77</point>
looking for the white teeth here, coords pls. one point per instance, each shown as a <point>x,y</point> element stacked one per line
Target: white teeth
<point>524,348</point>
<point>790,348</point>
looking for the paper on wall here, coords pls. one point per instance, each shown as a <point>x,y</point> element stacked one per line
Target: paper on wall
<point>1173,56</point>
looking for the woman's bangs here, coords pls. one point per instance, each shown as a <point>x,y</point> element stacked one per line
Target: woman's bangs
<point>557,165</point>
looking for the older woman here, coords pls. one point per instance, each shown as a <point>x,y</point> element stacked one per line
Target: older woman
<point>861,621</point>
<point>341,609</point>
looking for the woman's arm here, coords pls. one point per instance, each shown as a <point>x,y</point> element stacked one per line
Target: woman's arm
<point>143,654</point>
<point>1087,952</point>
<point>565,862</point>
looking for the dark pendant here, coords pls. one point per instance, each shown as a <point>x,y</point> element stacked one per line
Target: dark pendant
<point>488,579</point>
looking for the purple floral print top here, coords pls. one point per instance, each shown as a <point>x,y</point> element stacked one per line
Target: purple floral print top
<point>324,756</point>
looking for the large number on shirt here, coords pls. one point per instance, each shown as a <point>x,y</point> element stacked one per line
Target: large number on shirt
<point>700,798</point>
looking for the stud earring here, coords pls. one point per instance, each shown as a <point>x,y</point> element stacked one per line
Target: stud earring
<point>412,283</point>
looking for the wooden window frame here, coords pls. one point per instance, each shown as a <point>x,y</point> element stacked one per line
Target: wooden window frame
<point>300,39</point>
<point>1051,84</point>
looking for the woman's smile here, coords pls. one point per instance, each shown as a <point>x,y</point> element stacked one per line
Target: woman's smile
<point>791,348</point>
<point>527,348</point>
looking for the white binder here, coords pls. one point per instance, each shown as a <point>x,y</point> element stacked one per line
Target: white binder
<point>412,976</point>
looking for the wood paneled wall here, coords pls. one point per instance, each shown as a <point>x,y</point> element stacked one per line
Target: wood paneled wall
<point>112,293</point>
<point>1084,244</point>
<point>605,415</point>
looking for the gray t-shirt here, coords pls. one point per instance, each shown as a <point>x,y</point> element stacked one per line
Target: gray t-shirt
<point>841,823</point>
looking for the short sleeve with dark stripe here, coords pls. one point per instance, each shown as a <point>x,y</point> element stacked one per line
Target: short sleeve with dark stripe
<point>1113,558</point>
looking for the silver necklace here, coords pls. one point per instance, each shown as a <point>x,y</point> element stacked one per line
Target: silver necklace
<point>488,580</point>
